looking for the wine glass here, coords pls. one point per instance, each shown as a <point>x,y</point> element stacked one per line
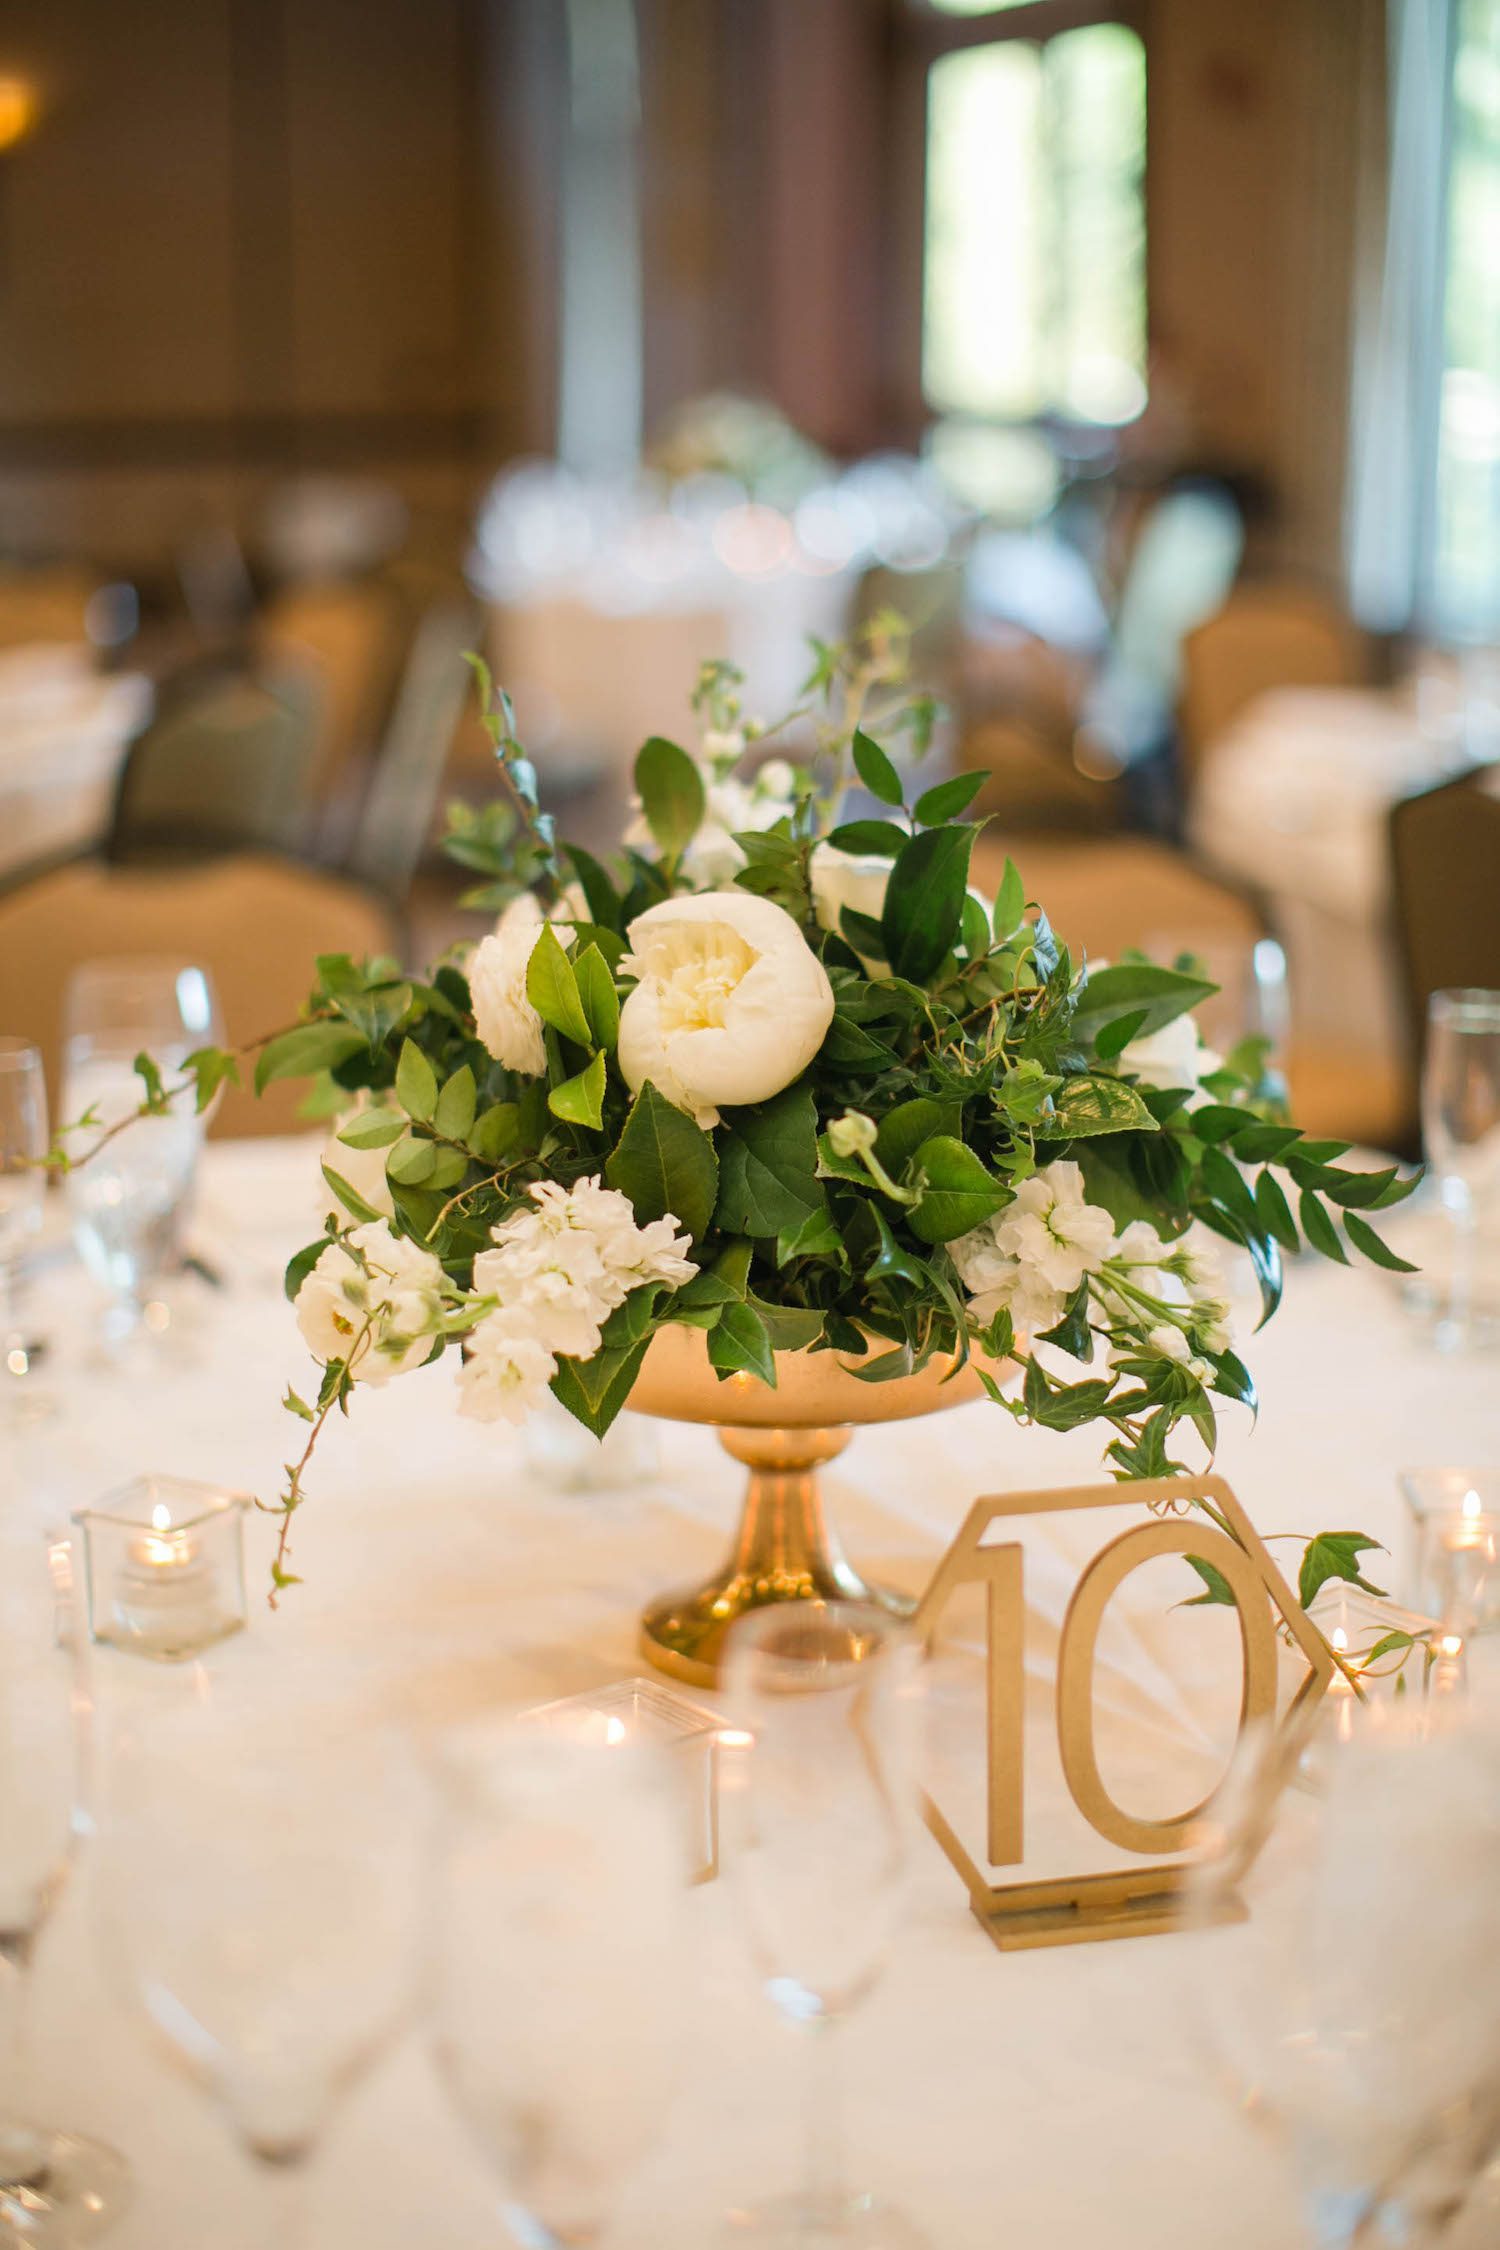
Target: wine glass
<point>130,1198</point>
<point>259,1893</point>
<point>1461,1133</point>
<point>57,2188</point>
<point>817,1813</point>
<point>1352,2014</point>
<point>23,1144</point>
<point>557,1976</point>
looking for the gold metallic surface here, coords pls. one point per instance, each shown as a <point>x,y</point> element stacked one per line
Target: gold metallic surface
<point>1129,1901</point>
<point>785,1549</point>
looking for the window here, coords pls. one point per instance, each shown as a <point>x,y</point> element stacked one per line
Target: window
<point>1034,267</point>
<point>1466,559</point>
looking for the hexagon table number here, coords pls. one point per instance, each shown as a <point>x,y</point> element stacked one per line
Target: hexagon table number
<point>1128,1900</point>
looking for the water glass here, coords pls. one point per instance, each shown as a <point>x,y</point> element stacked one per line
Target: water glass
<point>818,1814</point>
<point>131,1195</point>
<point>57,2188</point>
<point>23,1144</point>
<point>557,1973</point>
<point>1461,1135</point>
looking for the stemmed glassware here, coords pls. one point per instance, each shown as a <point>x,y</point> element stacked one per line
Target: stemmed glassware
<point>23,1144</point>
<point>818,1810</point>
<point>1352,2014</point>
<point>259,1895</point>
<point>56,2188</point>
<point>130,1200</point>
<point>1461,1136</point>
<point>557,1977</point>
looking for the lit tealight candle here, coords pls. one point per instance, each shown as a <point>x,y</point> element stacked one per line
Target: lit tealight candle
<point>1341,1688</point>
<point>164,1594</point>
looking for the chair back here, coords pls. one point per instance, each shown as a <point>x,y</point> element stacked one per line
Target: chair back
<point>345,640</point>
<point>224,767</point>
<point>255,923</point>
<point>1264,637</point>
<point>1445,859</point>
<point>396,819</point>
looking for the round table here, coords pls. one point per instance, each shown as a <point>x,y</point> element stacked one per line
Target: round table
<point>1051,2097</point>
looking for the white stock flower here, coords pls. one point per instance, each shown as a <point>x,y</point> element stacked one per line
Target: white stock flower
<point>1171,1343</point>
<point>505,1373</point>
<point>731,1006</point>
<point>382,1278</point>
<point>559,1268</point>
<point>363,1168</point>
<point>503,1015</point>
<point>1173,1056</point>
<point>1032,1255</point>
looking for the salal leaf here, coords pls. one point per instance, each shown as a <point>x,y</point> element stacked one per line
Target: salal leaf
<point>768,1165</point>
<point>924,901</point>
<point>875,839</point>
<point>1160,995</point>
<point>663,1163</point>
<point>552,988</point>
<point>670,788</point>
<point>958,1191</point>
<point>739,1345</point>
<point>875,769</point>
<point>580,1099</point>
<point>791,1328</point>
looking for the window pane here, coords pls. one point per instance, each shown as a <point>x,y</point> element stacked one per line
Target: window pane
<point>1034,294</point>
<point>1468,500</point>
<point>982,340</point>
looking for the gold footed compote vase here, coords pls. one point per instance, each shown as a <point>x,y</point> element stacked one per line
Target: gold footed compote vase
<point>785,1549</point>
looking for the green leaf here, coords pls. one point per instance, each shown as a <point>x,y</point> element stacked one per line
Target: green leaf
<point>670,788</point>
<point>496,1132</point>
<point>353,1202</point>
<point>1010,903</point>
<point>924,901</point>
<point>739,1344</point>
<point>1388,1645</point>
<point>1274,1212</point>
<point>890,1367</point>
<point>875,839</point>
<point>848,1046</point>
<point>603,899</point>
<point>1111,1042</point>
<point>612,1375</point>
<point>974,928</point>
<point>791,1328</point>
<point>411,1165</point>
<point>1319,1228</point>
<point>301,1265</point>
<point>948,800</point>
<point>1335,1554</point>
<point>904,1129</point>
<point>1219,1588</point>
<point>1226,1183</point>
<point>816,1236</point>
<point>373,1128</point>
<point>958,1191</point>
<point>862,932</point>
<point>1162,994</point>
<point>1364,1237</point>
<point>552,989</point>
<point>598,997</point>
<point>212,1067</point>
<point>875,769</point>
<point>456,1104</point>
<point>375,1014</point>
<point>1088,1105</point>
<point>663,1163</point>
<point>580,1100</point>
<point>448,1168</point>
<point>416,1082</point>
<point>305,1050</point>
<point>768,1165</point>
<point>892,1262</point>
<point>1261,1144</point>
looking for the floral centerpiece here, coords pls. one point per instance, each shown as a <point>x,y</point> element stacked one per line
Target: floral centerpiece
<point>786,1079</point>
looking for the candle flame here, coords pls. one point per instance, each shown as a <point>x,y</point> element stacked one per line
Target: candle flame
<point>1451,1644</point>
<point>614,1730</point>
<point>1340,1640</point>
<point>161,1517</point>
<point>735,1738</point>
<point>1472,1505</point>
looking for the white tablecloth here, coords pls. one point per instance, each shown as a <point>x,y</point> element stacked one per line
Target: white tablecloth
<point>1047,2098</point>
<point>63,733</point>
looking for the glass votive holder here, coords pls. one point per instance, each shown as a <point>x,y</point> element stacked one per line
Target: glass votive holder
<point>164,1567</point>
<point>1456,1515</point>
<point>647,1711</point>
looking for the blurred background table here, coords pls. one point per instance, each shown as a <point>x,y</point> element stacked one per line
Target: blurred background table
<point>1053,2096</point>
<point>63,734</point>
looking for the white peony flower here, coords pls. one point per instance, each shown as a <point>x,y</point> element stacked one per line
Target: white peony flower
<point>731,1006</point>
<point>503,1015</point>
<point>505,1373</point>
<point>363,1168</point>
<point>1173,1056</point>
<point>379,1277</point>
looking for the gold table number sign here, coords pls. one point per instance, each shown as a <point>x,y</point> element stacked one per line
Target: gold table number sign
<point>1129,1901</point>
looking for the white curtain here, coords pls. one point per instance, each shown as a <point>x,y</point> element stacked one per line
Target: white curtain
<point>1398,344</point>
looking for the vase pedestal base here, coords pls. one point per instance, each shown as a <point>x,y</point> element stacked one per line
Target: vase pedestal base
<point>784,1551</point>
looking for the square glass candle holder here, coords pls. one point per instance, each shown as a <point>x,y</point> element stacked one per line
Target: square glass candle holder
<point>164,1567</point>
<point>649,1711</point>
<point>1456,1513</point>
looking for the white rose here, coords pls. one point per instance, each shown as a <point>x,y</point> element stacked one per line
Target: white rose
<point>731,1006</point>
<point>505,1372</point>
<point>363,1168</point>
<point>1173,1056</point>
<point>503,1015</point>
<point>858,880</point>
<point>375,1278</point>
